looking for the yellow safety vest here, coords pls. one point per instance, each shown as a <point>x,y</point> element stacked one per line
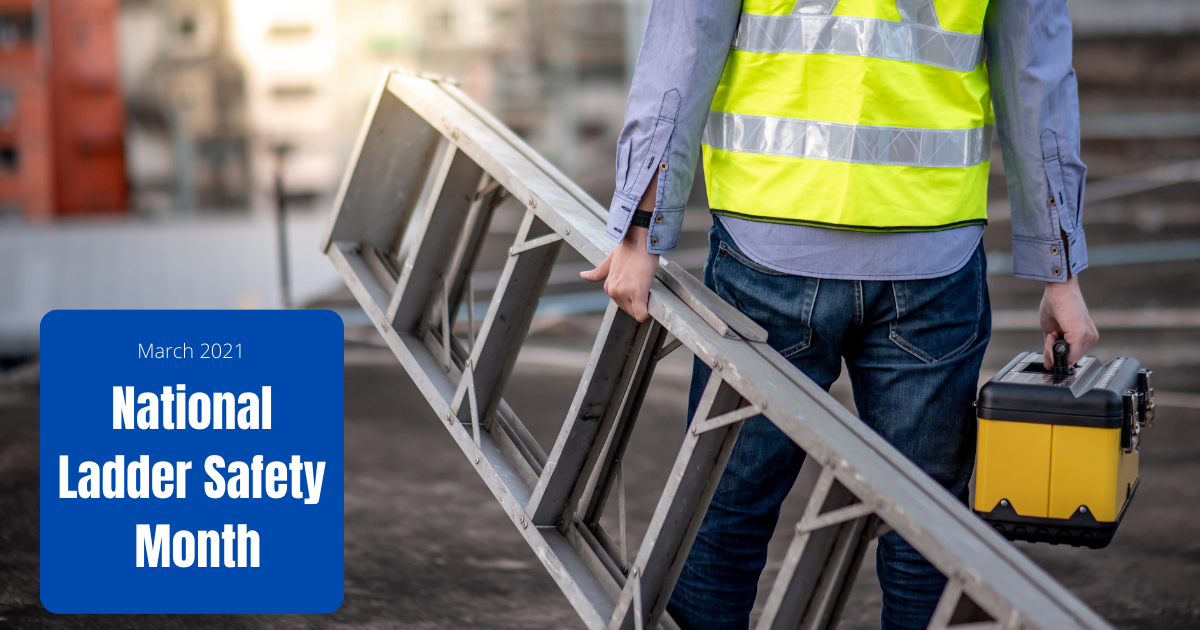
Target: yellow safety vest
<point>871,115</point>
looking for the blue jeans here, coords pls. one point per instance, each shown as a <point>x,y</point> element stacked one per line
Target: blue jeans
<point>913,349</point>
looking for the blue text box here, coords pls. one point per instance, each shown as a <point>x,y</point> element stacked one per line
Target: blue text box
<point>283,371</point>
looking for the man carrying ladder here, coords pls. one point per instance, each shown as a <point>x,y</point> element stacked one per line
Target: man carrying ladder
<point>846,153</point>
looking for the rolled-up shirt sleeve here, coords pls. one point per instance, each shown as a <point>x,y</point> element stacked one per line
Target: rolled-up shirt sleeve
<point>680,63</point>
<point>1036,99</point>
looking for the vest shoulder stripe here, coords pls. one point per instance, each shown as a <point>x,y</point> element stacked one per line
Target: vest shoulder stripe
<point>860,144</point>
<point>858,36</point>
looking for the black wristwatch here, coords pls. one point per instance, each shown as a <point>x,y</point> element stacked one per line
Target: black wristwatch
<point>641,218</point>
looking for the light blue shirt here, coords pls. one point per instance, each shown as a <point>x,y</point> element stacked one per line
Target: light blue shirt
<point>1034,94</point>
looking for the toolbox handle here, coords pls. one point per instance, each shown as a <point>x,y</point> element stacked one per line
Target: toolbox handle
<point>1060,349</point>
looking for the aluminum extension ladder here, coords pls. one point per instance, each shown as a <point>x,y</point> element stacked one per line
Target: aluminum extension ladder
<point>429,167</point>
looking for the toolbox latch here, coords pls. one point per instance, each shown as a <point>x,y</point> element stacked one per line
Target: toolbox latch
<point>1145,398</point>
<point>1131,426</point>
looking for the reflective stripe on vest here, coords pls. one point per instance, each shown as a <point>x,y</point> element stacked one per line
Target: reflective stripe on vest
<point>864,37</point>
<point>853,121</point>
<point>861,144</point>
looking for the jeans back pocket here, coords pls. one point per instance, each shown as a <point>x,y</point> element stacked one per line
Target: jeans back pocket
<point>781,303</point>
<point>940,318</point>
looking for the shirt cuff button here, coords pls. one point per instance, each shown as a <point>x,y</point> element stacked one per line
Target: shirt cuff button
<point>1056,271</point>
<point>654,241</point>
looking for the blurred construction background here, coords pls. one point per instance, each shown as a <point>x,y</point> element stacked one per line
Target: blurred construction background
<point>141,161</point>
<point>139,138</point>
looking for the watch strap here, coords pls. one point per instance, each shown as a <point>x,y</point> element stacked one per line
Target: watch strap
<point>641,218</point>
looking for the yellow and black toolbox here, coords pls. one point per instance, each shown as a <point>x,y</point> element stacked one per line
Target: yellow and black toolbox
<point>1058,449</point>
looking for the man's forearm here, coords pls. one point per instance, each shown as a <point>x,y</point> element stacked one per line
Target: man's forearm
<point>680,63</point>
<point>1036,102</point>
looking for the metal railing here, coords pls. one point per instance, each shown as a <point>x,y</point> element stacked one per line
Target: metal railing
<point>429,168</point>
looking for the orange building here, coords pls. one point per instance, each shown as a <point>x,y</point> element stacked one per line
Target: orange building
<point>26,168</point>
<point>87,111</point>
<point>61,113</point>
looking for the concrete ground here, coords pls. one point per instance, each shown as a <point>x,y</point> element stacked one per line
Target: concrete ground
<point>428,547</point>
